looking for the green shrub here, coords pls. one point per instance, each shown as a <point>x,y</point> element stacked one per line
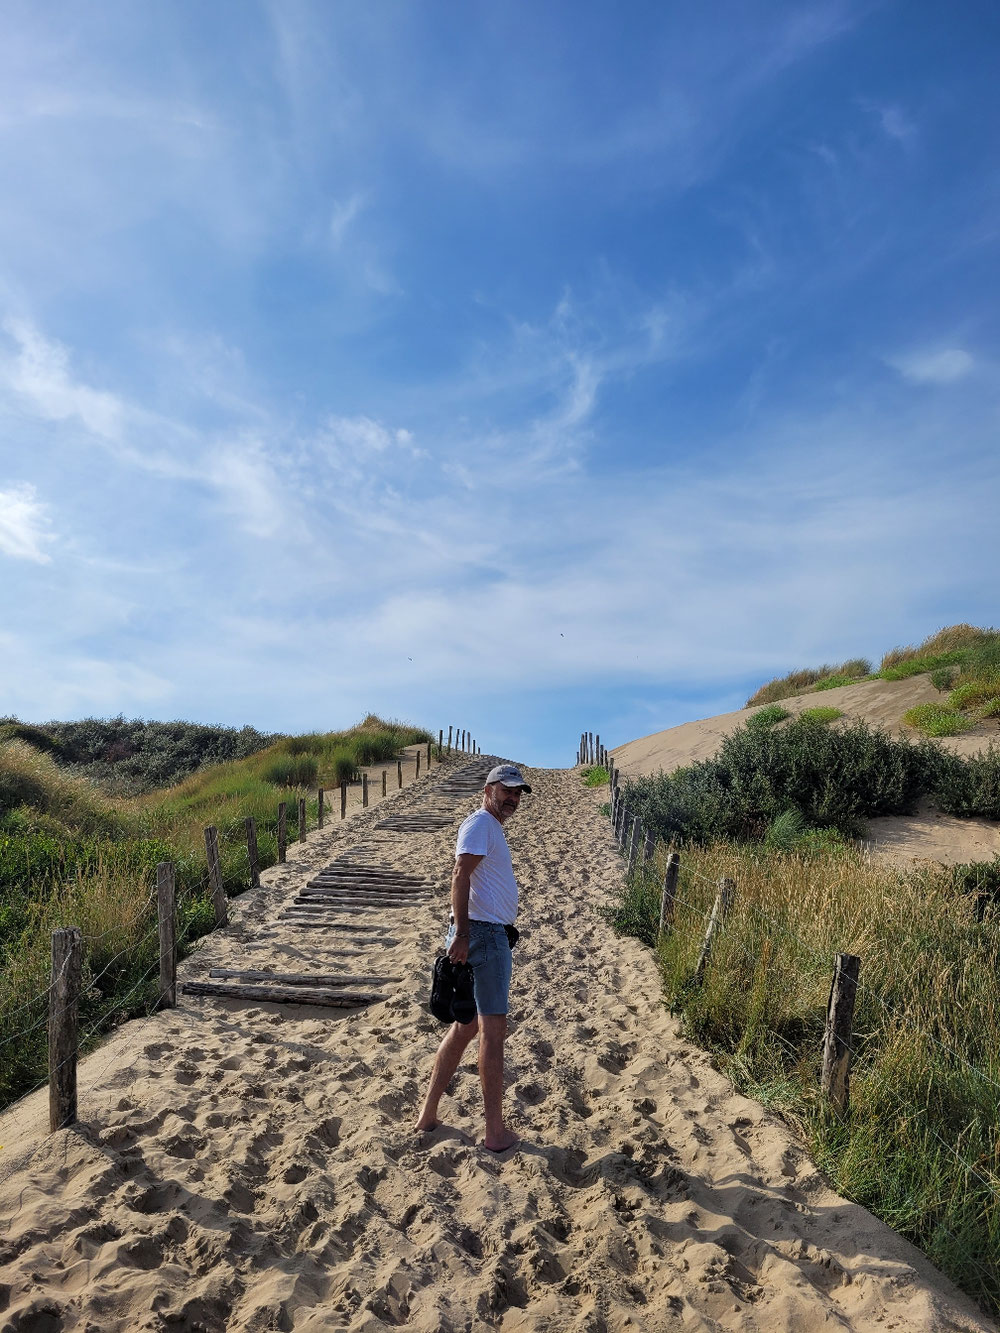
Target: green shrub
<point>974,694</point>
<point>833,778</point>
<point>991,709</point>
<point>768,716</point>
<point>825,713</point>
<point>597,776</point>
<point>293,770</point>
<point>967,787</point>
<point>343,766</point>
<point>942,678</point>
<point>936,720</point>
<point>917,666</point>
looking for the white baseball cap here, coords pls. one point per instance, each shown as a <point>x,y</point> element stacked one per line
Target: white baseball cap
<point>509,775</point>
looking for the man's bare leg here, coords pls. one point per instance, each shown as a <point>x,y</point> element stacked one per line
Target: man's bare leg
<point>492,1032</point>
<point>447,1060</point>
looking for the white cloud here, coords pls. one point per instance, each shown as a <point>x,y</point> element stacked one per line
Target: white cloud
<point>942,366</point>
<point>40,373</point>
<point>23,525</point>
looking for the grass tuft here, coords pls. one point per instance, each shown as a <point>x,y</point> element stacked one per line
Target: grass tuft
<point>936,720</point>
<point>596,776</point>
<point>824,713</point>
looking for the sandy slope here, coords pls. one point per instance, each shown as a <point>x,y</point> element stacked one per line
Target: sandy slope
<point>250,1167</point>
<point>925,835</point>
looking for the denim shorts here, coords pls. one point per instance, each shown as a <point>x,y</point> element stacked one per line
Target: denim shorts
<point>491,963</point>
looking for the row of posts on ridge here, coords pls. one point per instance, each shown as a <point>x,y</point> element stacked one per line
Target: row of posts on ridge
<point>67,942</point>
<point>638,846</point>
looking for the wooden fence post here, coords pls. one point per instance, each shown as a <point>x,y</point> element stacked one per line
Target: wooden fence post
<point>166,920</point>
<point>399,772</point>
<point>668,898</point>
<point>215,875</point>
<point>64,996</point>
<point>319,809</point>
<point>417,774</point>
<point>253,856</point>
<point>364,790</point>
<point>633,849</point>
<point>720,910</point>
<point>449,740</point>
<point>343,798</point>
<point>429,743</point>
<point>839,1032</point>
<point>383,782</point>
<point>282,830</point>
<point>440,744</point>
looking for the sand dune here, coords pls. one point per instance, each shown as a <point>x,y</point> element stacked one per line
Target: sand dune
<point>250,1166</point>
<point>926,835</point>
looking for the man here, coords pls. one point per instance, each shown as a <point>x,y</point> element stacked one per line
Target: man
<point>483,906</point>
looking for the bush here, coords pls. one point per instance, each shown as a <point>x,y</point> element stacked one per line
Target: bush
<point>768,716</point>
<point>597,776</point>
<point>974,694</point>
<point>942,678</point>
<point>833,778</point>
<point>967,787</point>
<point>300,770</point>
<point>936,720</point>
<point>342,766</point>
<point>825,713</point>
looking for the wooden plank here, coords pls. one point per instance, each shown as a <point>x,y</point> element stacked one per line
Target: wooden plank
<point>301,917</point>
<point>367,874</point>
<point>320,980</point>
<point>280,994</point>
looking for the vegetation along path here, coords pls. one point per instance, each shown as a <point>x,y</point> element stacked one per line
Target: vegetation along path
<point>250,1166</point>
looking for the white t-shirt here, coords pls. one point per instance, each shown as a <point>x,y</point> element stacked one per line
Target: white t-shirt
<point>493,888</point>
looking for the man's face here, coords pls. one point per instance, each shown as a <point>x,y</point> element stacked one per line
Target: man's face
<point>502,801</point>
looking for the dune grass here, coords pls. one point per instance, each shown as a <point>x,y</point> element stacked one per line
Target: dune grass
<point>824,713</point>
<point>919,1147</point>
<point>72,855</point>
<point>595,776</point>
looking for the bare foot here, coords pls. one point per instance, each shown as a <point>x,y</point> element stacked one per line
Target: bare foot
<point>504,1141</point>
<point>423,1126</point>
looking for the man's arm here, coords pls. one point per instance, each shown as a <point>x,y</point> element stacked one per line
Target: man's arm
<point>460,881</point>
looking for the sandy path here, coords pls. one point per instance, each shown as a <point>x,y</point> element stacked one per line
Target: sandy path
<point>250,1167</point>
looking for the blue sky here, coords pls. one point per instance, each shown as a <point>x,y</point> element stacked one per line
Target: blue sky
<point>529,367</point>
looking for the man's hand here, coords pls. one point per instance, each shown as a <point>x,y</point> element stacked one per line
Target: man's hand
<point>458,950</point>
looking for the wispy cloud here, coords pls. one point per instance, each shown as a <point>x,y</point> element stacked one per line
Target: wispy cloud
<point>943,365</point>
<point>24,525</point>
